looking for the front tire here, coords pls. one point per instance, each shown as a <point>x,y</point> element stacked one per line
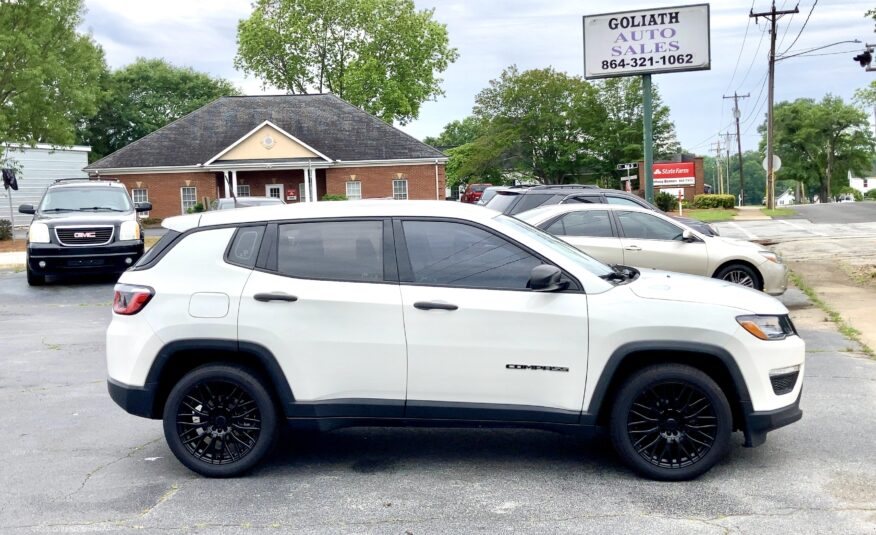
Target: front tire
<point>742,275</point>
<point>671,422</point>
<point>33,279</point>
<point>219,420</point>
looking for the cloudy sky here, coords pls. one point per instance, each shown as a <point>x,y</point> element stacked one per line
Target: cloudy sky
<point>491,35</point>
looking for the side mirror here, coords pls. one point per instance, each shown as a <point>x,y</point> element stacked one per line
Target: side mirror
<point>26,209</point>
<point>546,278</point>
<point>143,206</point>
<point>687,235</point>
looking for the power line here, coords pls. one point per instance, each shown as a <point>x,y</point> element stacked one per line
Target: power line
<point>754,57</point>
<point>741,50</point>
<point>802,28</point>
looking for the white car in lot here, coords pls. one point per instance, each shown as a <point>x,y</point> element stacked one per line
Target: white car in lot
<point>424,313</point>
<point>632,236</point>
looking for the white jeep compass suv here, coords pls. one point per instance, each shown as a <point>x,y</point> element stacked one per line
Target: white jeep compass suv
<point>424,313</point>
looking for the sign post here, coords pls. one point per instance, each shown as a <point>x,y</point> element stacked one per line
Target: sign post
<point>646,42</point>
<point>620,167</point>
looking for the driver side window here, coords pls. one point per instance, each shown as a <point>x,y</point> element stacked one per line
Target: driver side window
<point>639,225</point>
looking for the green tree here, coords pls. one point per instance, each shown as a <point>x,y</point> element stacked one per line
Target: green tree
<point>381,55</point>
<point>755,176</point>
<point>456,133</point>
<point>819,142</point>
<point>48,72</point>
<point>141,98</point>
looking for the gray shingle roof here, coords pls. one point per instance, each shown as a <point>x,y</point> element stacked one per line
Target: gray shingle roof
<point>330,125</point>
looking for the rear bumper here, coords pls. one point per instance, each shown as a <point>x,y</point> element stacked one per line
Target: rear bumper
<point>48,258</point>
<point>137,400</point>
<point>759,423</point>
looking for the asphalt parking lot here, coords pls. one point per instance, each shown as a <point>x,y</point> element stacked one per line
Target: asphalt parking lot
<point>78,463</point>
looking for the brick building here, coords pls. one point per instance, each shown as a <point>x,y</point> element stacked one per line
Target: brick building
<point>295,147</point>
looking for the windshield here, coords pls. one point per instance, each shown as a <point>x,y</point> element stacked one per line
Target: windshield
<point>86,199</point>
<point>559,246</point>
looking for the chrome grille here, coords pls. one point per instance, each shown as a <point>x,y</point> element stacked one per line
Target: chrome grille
<point>78,236</point>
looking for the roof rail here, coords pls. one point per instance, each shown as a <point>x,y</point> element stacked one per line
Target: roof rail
<point>566,186</point>
<point>85,179</point>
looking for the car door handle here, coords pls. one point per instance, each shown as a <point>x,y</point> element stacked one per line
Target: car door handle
<point>277,296</point>
<point>434,305</point>
<point>632,248</point>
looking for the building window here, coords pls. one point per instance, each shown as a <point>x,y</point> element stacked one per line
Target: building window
<point>243,190</point>
<point>139,195</point>
<point>865,182</point>
<point>189,198</point>
<point>400,190</point>
<point>354,190</point>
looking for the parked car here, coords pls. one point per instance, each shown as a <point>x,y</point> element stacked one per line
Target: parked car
<point>491,192</point>
<point>518,201</point>
<point>473,192</point>
<point>229,203</point>
<point>327,315</point>
<point>83,226</point>
<point>633,236</point>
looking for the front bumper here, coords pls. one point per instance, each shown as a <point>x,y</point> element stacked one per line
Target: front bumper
<point>758,423</point>
<point>49,258</point>
<point>775,278</point>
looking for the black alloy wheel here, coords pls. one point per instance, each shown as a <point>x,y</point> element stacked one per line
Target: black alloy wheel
<point>671,422</point>
<point>741,275</point>
<point>219,420</point>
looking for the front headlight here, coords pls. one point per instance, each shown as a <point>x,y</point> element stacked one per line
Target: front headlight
<point>130,230</point>
<point>771,256</point>
<point>768,327</point>
<point>38,233</point>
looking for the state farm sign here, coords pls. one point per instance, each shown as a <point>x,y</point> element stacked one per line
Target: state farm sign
<point>674,174</point>
<point>647,41</point>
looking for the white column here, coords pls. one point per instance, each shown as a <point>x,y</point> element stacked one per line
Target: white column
<point>234,182</point>
<point>306,185</point>
<point>314,191</point>
<point>225,181</point>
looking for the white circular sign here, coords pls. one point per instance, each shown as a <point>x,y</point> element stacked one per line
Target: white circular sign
<point>777,163</point>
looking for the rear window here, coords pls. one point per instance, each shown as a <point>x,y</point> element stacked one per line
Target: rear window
<point>503,201</point>
<point>245,246</point>
<point>533,200</point>
<point>156,251</point>
<point>479,187</point>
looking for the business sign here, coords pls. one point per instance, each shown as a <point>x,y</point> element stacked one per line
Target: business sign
<point>647,41</point>
<point>674,174</point>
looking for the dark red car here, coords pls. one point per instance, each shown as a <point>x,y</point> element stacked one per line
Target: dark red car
<point>473,192</point>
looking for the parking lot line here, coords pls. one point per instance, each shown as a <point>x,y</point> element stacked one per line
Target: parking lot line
<point>800,227</point>
<point>742,230</point>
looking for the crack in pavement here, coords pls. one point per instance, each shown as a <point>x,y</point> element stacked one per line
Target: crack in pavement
<point>89,475</point>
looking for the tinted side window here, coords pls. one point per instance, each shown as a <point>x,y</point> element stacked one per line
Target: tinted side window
<point>334,250</point>
<point>593,199</point>
<point>245,246</point>
<point>594,223</point>
<point>454,254</point>
<point>647,227</point>
<point>624,201</point>
<point>534,200</point>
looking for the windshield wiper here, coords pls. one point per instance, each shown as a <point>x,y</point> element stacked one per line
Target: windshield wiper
<point>59,210</point>
<point>95,208</point>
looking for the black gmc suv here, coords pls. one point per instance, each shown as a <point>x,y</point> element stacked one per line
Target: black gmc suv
<point>83,226</point>
<point>515,201</point>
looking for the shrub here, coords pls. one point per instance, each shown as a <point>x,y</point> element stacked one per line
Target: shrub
<point>328,197</point>
<point>150,221</point>
<point>848,190</point>
<point>715,201</point>
<point>197,208</point>
<point>871,194</point>
<point>5,230</point>
<point>665,201</point>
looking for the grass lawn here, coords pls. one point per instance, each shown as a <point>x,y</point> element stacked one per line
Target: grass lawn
<point>709,215</point>
<point>778,212</point>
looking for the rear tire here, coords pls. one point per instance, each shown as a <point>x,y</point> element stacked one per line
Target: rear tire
<point>671,422</point>
<point>33,279</point>
<point>219,420</point>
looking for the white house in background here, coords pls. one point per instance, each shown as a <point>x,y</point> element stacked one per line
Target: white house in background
<point>786,198</point>
<point>863,184</point>
<point>37,167</point>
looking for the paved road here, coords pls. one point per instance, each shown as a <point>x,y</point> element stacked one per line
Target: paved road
<point>844,212</point>
<point>78,463</point>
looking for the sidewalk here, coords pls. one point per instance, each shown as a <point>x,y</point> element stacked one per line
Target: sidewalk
<point>12,260</point>
<point>750,213</point>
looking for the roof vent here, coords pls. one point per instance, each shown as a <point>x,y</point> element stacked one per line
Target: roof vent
<point>268,142</point>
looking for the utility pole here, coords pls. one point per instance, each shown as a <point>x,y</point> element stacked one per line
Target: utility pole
<point>736,114</point>
<point>772,15</point>
<point>719,178</point>
<point>727,136</point>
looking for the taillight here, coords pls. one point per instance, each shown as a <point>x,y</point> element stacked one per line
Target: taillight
<point>130,299</point>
